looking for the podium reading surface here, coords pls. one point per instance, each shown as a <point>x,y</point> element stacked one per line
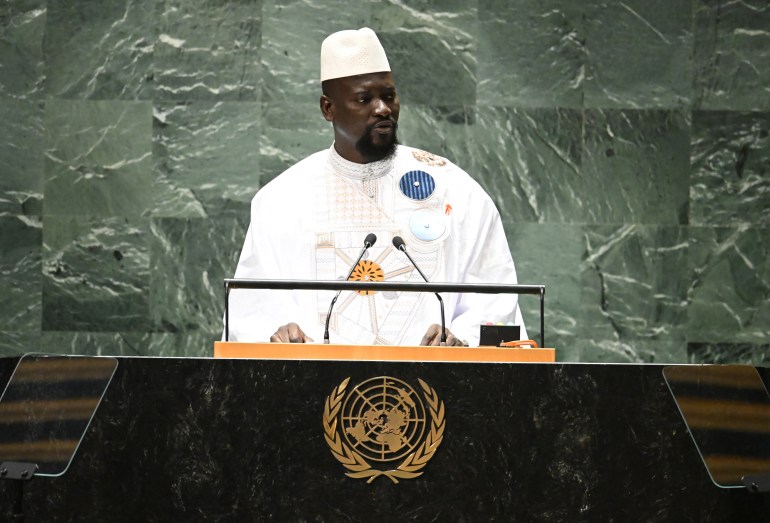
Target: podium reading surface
<point>310,351</point>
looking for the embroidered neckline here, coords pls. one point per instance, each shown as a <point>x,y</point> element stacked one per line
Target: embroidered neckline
<point>362,172</point>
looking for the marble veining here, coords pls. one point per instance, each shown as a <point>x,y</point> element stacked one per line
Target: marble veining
<point>95,275</point>
<point>625,145</point>
<point>730,180</point>
<point>732,58</point>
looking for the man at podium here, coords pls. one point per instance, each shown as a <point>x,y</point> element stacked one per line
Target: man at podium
<point>313,221</point>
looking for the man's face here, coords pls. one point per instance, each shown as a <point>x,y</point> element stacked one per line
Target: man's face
<point>364,110</point>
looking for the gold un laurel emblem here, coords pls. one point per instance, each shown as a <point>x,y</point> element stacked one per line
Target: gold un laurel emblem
<point>382,428</point>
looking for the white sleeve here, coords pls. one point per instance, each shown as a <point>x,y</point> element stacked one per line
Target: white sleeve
<point>254,315</point>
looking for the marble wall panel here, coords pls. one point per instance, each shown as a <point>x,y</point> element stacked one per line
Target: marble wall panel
<point>290,132</point>
<point>96,274</point>
<point>593,350</point>
<point>189,260</point>
<point>639,54</point>
<point>636,167</point>
<point>729,294</point>
<point>431,49</point>
<point>208,50</point>
<point>541,252</point>
<point>634,282</point>
<point>98,159</point>
<point>446,131</point>
<point>207,154</point>
<point>21,150</point>
<point>633,54</point>
<point>96,343</point>
<point>729,353</point>
<point>191,344</point>
<point>730,168</point>
<point>530,160</point>
<point>100,50</point>
<point>731,55</point>
<point>596,166</point>
<point>291,42</point>
<point>20,283</point>
<point>22,25</point>
<point>531,53</point>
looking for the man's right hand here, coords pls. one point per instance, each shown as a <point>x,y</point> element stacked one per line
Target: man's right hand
<point>290,333</point>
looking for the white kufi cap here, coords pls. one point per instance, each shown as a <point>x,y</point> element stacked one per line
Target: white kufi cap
<point>350,53</point>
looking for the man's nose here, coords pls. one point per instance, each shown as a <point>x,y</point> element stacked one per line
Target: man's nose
<point>381,108</point>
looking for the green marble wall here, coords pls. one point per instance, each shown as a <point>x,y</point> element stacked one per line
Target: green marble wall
<point>626,145</point>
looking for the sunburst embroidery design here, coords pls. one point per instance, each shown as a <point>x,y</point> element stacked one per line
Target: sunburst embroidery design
<point>365,271</point>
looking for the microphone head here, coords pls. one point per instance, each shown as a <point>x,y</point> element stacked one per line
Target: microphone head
<point>370,240</point>
<point>398,243</point>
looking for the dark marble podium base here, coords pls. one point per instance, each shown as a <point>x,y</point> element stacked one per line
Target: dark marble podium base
<point>227,440</point>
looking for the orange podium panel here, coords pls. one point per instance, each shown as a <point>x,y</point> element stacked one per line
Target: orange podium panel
<point>313,351</point>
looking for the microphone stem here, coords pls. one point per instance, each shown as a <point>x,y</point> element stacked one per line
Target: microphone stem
<point>443,321</point>
<point>328,315</point>
<point>402,248</point>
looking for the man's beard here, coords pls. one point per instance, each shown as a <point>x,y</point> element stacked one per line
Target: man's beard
<point>373,152</point>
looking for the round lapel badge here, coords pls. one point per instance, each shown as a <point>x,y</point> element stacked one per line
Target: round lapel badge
<point>417,185</point>
<point>427,225</point>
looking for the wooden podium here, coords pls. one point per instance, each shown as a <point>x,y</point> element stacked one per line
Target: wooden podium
<point>311,351</point>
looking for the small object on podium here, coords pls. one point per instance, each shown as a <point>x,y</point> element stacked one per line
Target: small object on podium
<point>497,335</point>
<point>519,344</point>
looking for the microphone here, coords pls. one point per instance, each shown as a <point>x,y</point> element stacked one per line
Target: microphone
<point>399,244</point>
<point>370,240</point>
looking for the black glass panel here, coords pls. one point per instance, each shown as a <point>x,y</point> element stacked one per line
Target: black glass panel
<point>727,411</point>
<point>47,406</point>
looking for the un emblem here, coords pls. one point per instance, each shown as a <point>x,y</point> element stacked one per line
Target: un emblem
<point>383,421</point>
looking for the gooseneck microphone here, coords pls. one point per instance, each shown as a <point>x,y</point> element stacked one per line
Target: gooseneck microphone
<point>370,240</point>
<point>399,244</point>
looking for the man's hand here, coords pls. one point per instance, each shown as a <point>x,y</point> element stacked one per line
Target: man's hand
<point>290,333</point>
<point>433,337</point>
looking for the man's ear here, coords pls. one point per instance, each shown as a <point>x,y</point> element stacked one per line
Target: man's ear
<point>327,108</point>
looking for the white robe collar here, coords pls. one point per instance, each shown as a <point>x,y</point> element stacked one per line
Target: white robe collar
<point>360,171</point>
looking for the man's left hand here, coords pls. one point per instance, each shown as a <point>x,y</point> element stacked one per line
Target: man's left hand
<point>433,337</point>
